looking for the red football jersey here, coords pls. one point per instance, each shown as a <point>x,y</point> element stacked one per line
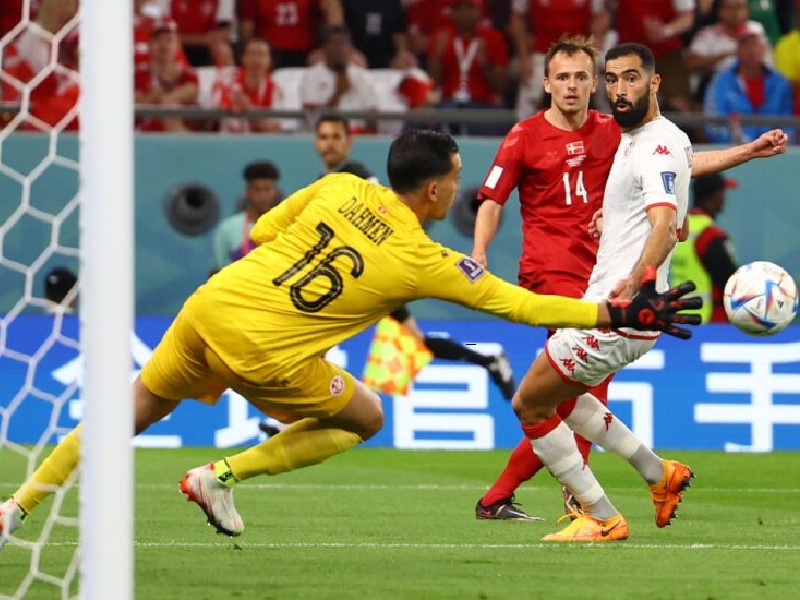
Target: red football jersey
<point>561,176</point>
<point>550,20</point>
<point>287,24</point>
<point>195,17</point>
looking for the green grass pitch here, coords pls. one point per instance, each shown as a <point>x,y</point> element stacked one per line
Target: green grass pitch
<point>386,524</point>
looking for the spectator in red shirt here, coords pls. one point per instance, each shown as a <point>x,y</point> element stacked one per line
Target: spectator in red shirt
<point>250,86</point>
<point>469,61</point>
<point>53,99</point>
<point>147,15</point>
<point>423,19</point>
<point>202,25</point>
<point>290,26</point>
<point>166,82</point>
<point>659,24</point>
<point>536,25</point>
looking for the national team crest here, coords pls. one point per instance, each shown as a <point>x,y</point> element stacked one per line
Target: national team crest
<point>574,148</point>
<point>337,385</point>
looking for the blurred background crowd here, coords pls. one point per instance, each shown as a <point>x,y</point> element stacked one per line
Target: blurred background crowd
<point>731,58</point>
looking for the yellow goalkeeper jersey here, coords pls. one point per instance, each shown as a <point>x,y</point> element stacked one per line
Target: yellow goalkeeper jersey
<point>334,258</point>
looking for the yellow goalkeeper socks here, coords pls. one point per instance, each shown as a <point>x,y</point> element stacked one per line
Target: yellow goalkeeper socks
<point>305,443</point>
<point>223,473</point>
<point>51,474</point>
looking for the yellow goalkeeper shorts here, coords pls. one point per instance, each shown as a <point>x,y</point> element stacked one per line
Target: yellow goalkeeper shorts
<point>183,366</point>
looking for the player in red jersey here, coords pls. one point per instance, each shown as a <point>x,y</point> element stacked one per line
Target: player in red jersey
<point>559,160</point>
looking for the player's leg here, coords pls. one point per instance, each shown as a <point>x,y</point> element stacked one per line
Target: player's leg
<point>588,356</point>
<point>571,505</point>
<point>62,461</point>
<point>310,440</point>
<point>498,366</point>
<point>178,369</point>
<point>444,348</point>
<point>666,479</point>
<point>498,502</point>
<point>523,464</point>
<point>332,412</point>
<point>573,361</point>
<point>45,480</point>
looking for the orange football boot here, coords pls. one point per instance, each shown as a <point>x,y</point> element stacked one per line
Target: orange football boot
<point>668,491</point>
<point>586,528</point>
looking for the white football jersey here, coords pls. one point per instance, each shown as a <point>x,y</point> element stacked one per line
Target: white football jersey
<point>652,167</point>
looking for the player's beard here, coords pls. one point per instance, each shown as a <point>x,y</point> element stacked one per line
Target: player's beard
<point>635,113</point>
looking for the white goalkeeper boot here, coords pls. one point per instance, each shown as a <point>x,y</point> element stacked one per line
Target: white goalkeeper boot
<point>12,517</point>
<point>202,487</point>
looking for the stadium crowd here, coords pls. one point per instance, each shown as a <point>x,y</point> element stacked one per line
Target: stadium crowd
<point>728,58</point>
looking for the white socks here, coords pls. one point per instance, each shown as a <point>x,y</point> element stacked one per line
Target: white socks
<point>599,425</point>
<point>558,451</point>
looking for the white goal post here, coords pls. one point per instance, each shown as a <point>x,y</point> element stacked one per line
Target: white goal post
<point>106,300</point>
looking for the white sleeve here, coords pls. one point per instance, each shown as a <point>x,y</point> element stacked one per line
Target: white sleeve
<point>225,11</point>
<point>309,88</point>
<point>520,6</point>
<point>660,163</point>
<point>598,6</point>
<point>367,91</point>
<point>702,40</point>
<point>682,5</point>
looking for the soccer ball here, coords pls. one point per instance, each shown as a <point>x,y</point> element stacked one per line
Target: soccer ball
<point>760,298</point>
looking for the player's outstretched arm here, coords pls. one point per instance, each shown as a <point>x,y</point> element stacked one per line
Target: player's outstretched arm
<point>649,310</point>
<point>767,144</point>
<point>486,223</point>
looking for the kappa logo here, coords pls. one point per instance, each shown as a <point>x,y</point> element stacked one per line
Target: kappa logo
<point>662,150</point>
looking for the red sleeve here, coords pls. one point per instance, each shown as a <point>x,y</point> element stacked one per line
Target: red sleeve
<point>506,168</point>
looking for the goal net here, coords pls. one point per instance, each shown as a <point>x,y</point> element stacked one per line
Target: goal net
<point>41,357</point>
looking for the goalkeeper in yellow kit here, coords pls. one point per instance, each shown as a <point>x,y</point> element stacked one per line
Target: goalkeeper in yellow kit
<point>331,260</point>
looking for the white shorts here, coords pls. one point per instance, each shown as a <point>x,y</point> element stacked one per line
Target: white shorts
<point>588,356</point>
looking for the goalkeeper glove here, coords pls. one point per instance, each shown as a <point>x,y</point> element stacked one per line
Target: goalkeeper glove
<point>652,311</point>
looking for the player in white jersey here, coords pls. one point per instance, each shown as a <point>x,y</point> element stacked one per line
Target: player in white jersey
<point>651,168</point>
<point>646,197</point>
